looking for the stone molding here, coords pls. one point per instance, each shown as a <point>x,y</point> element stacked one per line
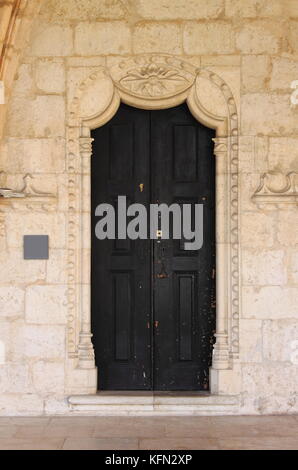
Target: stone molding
<point>27,197</point>
<point>151,81</point>
<point>276,188</point>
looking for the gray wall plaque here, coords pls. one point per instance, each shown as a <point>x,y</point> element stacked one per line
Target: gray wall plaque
<point>36,247</point>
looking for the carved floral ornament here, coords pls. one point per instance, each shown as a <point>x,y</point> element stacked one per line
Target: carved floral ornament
<point>153,80</point>
<point>154,77</point>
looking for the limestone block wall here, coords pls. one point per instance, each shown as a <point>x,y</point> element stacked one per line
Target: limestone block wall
<point>253,45</point>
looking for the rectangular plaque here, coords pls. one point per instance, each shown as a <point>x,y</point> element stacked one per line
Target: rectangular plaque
<point>36,247</point>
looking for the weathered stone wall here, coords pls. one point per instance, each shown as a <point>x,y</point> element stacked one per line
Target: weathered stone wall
<point>16,18</point>
<point>253,45</point>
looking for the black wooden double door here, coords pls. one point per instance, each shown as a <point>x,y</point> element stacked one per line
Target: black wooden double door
<point>153,302</point>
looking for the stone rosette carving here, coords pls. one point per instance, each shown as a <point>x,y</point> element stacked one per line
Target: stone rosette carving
<point>153,76</point>
<point>277,188</point>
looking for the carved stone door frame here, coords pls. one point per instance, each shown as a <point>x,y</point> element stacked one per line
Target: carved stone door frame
<point>151,82</point>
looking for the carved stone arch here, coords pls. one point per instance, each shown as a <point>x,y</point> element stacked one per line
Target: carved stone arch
<point>153,82</point>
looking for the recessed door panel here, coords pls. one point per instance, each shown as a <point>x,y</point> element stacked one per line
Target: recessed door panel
<point>121,269</point>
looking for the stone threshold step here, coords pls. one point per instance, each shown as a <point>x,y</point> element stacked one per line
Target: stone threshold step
<point>154,403</point>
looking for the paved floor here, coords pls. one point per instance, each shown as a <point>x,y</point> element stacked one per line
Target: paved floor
<point>167,433</point>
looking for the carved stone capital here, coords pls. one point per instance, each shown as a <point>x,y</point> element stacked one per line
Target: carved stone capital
<point>86,146</point>
<point>220,146</point>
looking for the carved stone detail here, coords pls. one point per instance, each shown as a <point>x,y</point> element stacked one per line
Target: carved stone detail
<point>10,193</point>
<point>153,76</point>
<point>233,195</point>
<point>220,146</point>
<point>277,188</point>
<point>28,196</point>
<point>73,240</point>
<point>86,146</point>
<point>28,190</point>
